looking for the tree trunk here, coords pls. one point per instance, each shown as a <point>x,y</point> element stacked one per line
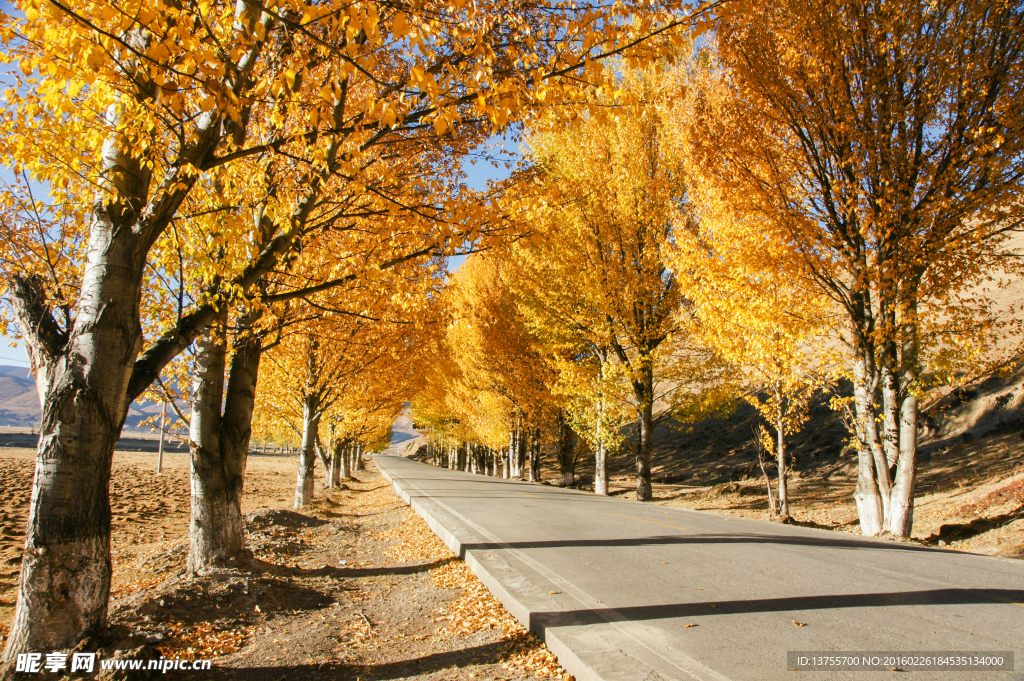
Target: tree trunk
<point>325,461</point>
<point>890,384</point>
<point>646,446</point>
<point>643,388</point>
<point>901,508</point>
<point>890,417</point>
<point>762,460</point>
<point>566,460</point>
<point>65,572</point>
<point>204,434</point>
<point>307,453</point>
<point>357,457</point>
<point>346,460</point>
<point>219,447</point>
<point>783,463</point>
<point>337,454</point>
<point>535,455</point>
<point>600,458</point>
<point>867,494</point>
<point>513,448</point>
<point>519,457</point>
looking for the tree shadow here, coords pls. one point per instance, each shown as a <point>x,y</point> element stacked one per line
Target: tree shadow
<point>685,539</point>
<point>543,620</point>
<point>958,531</point>
<point>353,572</point>
<point>333,514</point>
<point>481,654</point>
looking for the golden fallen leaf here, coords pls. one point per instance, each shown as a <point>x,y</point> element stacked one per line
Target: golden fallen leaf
<point>689,625</point>
<point>800,624</point>
<point>554,592</point>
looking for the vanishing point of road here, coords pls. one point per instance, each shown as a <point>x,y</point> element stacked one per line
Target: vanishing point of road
<point>626,591</point>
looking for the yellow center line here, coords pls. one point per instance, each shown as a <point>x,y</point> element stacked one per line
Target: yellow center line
<point>534,496</point>
<point>655,522</point>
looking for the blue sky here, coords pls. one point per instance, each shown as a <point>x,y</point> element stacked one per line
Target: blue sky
<point>478,174</point>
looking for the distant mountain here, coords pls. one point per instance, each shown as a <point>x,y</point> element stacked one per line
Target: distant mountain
<point>401,429</point>
<point>19,403</point>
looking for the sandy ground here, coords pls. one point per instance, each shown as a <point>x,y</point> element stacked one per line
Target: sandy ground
<point>149,511</point>
<point>355,587</point>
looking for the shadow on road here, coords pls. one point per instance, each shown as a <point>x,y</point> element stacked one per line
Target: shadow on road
<point>543,620</point>
<point>683,539</point>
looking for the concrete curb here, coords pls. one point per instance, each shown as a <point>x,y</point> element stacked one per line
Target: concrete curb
<point>587,654</point>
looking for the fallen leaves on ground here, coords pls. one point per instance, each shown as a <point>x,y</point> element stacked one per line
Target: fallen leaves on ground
<point>135,585</point>
<point>477,608</point>
<point>378,499</point>
<point>419,545</point>
<point>203,640</point>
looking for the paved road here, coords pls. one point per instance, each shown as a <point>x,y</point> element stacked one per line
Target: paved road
<point>629,591</point>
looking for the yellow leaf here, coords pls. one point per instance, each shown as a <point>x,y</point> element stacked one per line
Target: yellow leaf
<point>400,27</point>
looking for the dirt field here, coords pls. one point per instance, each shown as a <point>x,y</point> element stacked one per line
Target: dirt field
<point>149,511</point>
<point>356,587</point>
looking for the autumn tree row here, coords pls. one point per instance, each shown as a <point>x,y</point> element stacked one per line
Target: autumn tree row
<point>815,194</point>
<point>192,176</point>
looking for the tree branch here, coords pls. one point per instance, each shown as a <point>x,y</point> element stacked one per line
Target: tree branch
<point>35,318</point>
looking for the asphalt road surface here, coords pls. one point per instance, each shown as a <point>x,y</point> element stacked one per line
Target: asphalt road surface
<point>629,591</point>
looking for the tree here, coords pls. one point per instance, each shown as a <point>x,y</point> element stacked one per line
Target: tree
<point>751,302</point>
<point>501,367</point>
<point>883,140</point>
<point>605,208</point>
<point>488,385</point>
<point>554,299</point>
